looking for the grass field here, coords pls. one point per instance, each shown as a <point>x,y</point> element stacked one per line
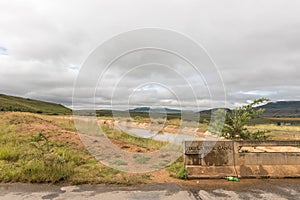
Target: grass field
<point>46,149</point>
<point>42,149</point>
<point>282,132</point>
<point>274,127</point>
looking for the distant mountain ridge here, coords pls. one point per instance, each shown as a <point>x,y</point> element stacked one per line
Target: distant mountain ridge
<point>272,109</point>
<point>157,110</point>
<point>13,103</point>
<point>282,109</point>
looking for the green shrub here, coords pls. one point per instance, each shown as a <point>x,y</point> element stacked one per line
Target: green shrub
<point>178,170</point>
<point>182,173</point>
<point>136,118</point>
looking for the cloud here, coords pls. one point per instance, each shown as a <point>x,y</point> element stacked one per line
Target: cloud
<point>3,51</point>
<point>255,44</point>
<point>258,93</point>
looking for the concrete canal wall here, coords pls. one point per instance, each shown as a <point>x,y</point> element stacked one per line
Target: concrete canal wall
<point>217,159</point>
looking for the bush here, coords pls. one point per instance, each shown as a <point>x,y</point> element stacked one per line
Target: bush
<point>178,170</point>
<point>182,173</point>
<point>137,117</point>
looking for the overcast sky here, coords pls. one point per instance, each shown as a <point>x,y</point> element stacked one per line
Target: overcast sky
<point>255,45</point>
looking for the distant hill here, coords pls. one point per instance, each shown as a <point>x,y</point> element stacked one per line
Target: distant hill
<point>272,109</point>
<point>208,112</point>
<point>282,109</point>
<point>157,110</point>
<point>12,103</point>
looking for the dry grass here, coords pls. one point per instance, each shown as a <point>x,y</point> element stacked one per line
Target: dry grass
<point>285,119</point>
<point>273,127</point>
<point>57,156</point>
<point>279,132</point>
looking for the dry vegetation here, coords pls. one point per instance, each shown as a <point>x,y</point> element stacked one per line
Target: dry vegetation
<point>38,148</point>
<point>279,132</point>
<point>41,148</point>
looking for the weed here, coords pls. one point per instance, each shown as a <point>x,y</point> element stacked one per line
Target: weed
<point>177,169</point>
<point>10,154</point>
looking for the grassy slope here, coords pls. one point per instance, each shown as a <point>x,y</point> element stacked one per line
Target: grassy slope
<point>12,103</point>
<point>27,157</point>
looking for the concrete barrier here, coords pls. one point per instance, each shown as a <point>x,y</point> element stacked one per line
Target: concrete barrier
<point>217,159</point>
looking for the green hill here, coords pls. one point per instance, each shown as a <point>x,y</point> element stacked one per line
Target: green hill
<point>12,103</point>
<point>282,109</point>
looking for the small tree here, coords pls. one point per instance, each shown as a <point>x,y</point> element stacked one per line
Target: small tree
<point>234,127</point>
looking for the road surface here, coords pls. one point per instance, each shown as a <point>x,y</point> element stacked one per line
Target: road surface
<point>274,189</point>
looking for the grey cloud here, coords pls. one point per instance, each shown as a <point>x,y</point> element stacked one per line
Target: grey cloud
<point>255,45</point>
